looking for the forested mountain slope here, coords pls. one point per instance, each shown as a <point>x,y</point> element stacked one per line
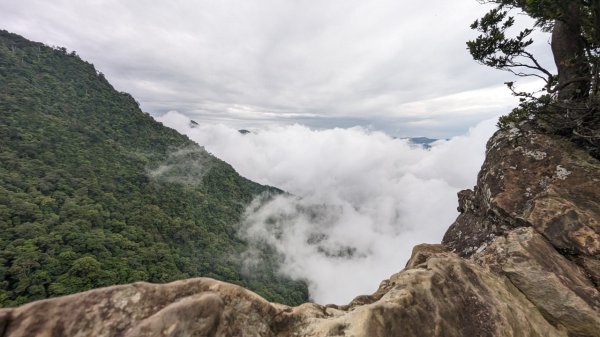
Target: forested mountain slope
<point>94,192</point>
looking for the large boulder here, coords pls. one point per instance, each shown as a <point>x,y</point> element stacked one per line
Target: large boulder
<point>441,295</point>
<point>558,287</point>
<point>193,307</point>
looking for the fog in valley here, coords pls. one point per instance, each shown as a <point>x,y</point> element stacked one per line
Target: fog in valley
<point>359,200</point>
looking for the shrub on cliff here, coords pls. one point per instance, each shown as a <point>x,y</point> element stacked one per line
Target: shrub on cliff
<point>569,102</point>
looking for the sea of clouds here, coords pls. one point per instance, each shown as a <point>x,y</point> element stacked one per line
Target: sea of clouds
<point>359,199</point>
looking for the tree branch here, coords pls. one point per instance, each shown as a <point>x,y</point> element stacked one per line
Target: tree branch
<point>565,84</point>
<point>539,67</point>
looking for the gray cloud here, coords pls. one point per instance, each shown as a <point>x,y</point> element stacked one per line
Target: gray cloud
<point>247,63</point>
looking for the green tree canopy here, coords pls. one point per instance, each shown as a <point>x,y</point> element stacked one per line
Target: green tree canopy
<point>94,192</point>
<point>570,97</point>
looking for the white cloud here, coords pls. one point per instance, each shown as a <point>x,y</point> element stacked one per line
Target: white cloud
<point>356,192</point>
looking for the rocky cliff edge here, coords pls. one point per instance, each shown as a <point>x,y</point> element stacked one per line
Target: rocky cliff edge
<point>522,259</point>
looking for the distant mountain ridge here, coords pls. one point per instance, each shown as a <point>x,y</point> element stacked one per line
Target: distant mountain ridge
<point>94,192</point>
<point>422,140</point>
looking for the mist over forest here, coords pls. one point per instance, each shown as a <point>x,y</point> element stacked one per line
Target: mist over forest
<point>359,199</point>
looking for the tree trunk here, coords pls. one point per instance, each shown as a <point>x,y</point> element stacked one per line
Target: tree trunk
<point>569,55</point>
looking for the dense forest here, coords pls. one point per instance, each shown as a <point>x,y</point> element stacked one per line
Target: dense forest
<point>94,192</point>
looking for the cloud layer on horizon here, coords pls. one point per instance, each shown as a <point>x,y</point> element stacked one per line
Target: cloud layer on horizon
<point>393,65</point>
<point>361,199</point>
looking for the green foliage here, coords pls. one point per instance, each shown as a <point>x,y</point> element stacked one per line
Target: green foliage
<point>526,111</point>
<point>94,192</point>
<point>499,47</point>
<point>493,48</point>
<point>568,102</point>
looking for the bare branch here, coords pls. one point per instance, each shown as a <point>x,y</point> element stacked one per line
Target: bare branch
<point>539,67</point>
<point>525,74</point>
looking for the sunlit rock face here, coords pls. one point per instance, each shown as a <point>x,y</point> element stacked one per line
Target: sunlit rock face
<point>522,259</point>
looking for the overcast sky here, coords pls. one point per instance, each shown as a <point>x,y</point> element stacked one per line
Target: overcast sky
<point>392,65</point>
